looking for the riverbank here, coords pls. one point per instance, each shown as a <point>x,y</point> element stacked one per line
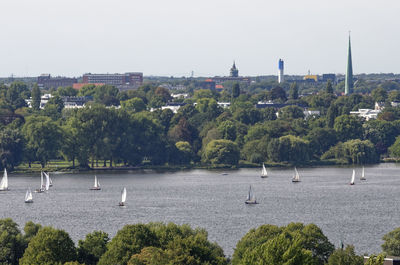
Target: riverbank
<point>66,166</point>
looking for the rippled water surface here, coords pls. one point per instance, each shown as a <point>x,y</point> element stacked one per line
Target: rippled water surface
<point>358,215</point>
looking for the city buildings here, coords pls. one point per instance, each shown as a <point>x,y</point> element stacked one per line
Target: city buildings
<point>45,81</point>
<point>121,81</point>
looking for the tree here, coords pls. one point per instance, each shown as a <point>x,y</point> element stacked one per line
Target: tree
<point>394,150</point>
<point>11,148</point>
<point>345,256</point>
<point>329,88</point>
<point>354,152</point>
<point>93,247</point>
<point>348,127</point>
<point>287,148</point>
<point>321,139</point>
<point>391,245</point>
<point>277,93</point>
<point>31,229</point>
<point>227,130</point>
<point>43,137</point>
<point>291,112</point>
<point>235,90</point>
<point>133,104</point>
<point>130,240</point>
<point>379,94</point>
<point>221,152</point>
<point>11,242</point>
<point>49,246</point>
<point>293,91</point>
<point>375,260</point>
<point>36,96</point>
<point>67,91</point>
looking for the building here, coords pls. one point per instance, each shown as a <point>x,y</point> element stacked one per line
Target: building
<point>45,81</point>
<point>281,71</point>
<point>348,84</point>
<point>121,81</point>
<point>367,114</point>
<point>43,101</point>
<point>71,102</point>
<point>389,260</point>
<point>234,71</point>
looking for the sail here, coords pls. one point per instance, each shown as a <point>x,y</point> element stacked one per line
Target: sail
<point>264,171</point>
<point>41,180</point>
<point>353,177</point>
<point>363,174</point>
<point>296,174</point>
<point>123,195</point>
<point>4,181</point>
<point>47,181</point>
<point>28,195</point>
<point>96,183</point>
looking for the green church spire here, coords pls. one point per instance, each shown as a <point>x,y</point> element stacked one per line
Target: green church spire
<point>348,87</point>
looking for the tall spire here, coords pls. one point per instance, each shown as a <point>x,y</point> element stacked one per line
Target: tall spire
<point>234,71</point>
<point>348,86</point>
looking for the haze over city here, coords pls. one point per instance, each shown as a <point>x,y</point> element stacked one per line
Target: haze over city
<point>176,37</point>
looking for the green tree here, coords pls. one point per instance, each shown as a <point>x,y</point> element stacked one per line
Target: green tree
<point>130,240</point>
<point>293,91</point>
<point>49,246</point>
<point>391,245</point>
<point>329,87</point>
<point>291,112</point>
<point>67,91</point>
<point>43,137</point>
<point>354,152</point>
<point>321,139</point>
<point>133,104</point>
<point>31,229</point>
<point>235,90</point>
<point>11,148</point>
<point>221,152</point>
<point>11,242</point>
<point>36,95</point>
<point>227,130</point>
<point>287,148</point>
<point>345,256</point>
<point>375,260</point>
<point>394,150</point>
<point>348,127</point>
<point>379,94</point>
<point>277,93</point>
<point>93,247</point>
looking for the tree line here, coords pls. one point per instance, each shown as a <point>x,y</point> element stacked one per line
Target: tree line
<point>118,127</point>
<point>162,244</point>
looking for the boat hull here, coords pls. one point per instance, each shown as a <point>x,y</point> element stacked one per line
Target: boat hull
<point>4,189</point>
<point>263,177</point>
<point>295,181</point>
<point>29,201</point>
<point>95,188</point>
<point>121,204</point>
<point>39,190</point>
<point>251,202</point>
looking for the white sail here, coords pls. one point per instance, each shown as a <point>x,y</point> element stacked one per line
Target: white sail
<point>251,197</point>
<point>41,180</point>
<point>47,181</point>
<point>296,177</point>
<point>4,181</point>
<point>96,182</point>
<point>363,174</point>
<point>50,180</point>
<point>353,177</point>
<point>123,195</point>
<point>264,172</point>
<point>28,196</point>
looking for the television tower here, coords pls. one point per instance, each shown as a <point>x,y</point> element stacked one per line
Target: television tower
<point>281,74</point>
<point>348,85</point>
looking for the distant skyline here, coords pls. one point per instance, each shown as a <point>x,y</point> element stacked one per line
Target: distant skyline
<point>175,37</point>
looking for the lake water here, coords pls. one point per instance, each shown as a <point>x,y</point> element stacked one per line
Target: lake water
<point>358,215</point>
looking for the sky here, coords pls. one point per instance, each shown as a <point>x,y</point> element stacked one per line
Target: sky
<point>176,37</point>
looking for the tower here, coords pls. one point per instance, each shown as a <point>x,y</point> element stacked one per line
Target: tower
<point>234,70</point>
<point>280,74</point>
<point>348,86</point>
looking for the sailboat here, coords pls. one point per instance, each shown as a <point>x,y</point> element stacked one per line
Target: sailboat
<point>296,176</point>
<point>363,175</point>
<point>50,180</point>
<point>123,197</point>
<point>251,198</point>
<point>4,181</point>
<point>42,186</point>
<point>353,177</point>
<point>28,196</point>
<point>47,186</point>
<point>96,184</point>
<point>264,172</point>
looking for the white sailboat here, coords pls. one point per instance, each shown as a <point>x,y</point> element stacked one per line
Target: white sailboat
<point>96,185</point>
<point>251,198</point>
<point>47,186</point>
<point>363,175</point>
<point>264,172</point>
<point>42,186</point>
<point>50,180</point>
<point>123,197</point>
<point>353,177</point>
<point>4,181</point>
<point>28,196</point>
<point>296,176</point>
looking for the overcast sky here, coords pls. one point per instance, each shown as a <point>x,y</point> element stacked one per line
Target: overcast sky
<point>174,37</point>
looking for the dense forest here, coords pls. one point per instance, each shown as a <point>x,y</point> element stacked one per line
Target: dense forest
<point>162,244</point>
<point>129,128</point>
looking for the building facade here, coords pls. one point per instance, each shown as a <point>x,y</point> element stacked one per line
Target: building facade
<point>122,81</point>
<point>45,81</point>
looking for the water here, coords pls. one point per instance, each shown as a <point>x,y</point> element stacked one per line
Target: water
<point>358,215</point>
